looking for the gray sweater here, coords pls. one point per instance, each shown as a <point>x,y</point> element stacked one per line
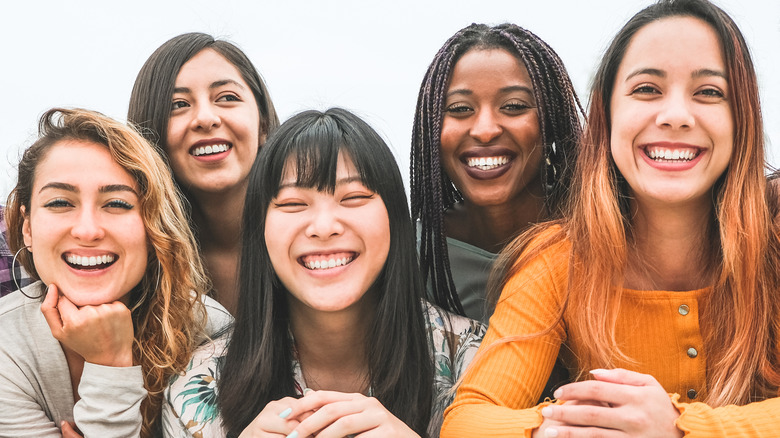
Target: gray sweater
<point>35,388</point>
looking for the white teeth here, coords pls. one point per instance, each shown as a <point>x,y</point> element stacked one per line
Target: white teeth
<point>487,163</point>
<point>212,149</point>
<point>664,155</point>
<point>327,264</point>
<point>89,261</point>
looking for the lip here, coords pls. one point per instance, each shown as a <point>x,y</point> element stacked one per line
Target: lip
<point>674,166</point>
<point>323,256</point>
<point>96,254</point>
<point>210,142</point>
<point>485,152</point>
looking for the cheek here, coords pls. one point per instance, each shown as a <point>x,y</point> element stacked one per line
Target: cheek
<point>174,138</point>
<point>449,137</point>
<point>275,241</point>
<point>381,233</point>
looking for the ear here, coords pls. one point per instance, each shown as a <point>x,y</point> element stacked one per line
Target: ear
<point>263,138</point>
<point>26,230</point>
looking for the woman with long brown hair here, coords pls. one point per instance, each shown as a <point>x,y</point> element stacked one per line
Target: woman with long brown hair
<point>118,306</point>
<point>204,105</point>
<point>662,278</point>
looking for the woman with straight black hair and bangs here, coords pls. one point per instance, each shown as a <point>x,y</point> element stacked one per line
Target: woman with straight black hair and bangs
<point>330,302</point>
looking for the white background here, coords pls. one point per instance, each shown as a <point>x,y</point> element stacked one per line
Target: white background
<point>367,56</point>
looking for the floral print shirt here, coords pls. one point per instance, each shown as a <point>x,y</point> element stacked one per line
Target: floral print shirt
<point>190,402</point>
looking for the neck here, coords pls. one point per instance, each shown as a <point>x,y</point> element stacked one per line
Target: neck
<point>492,227</point>
<point>332,347</point>
<point>218,219</point>
<point>671,248</point>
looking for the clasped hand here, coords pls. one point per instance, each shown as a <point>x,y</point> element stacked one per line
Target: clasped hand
<point>619,403</point>
<point>326,414</point>
<point>101,334</point>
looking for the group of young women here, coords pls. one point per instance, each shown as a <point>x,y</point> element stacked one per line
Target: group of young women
<point>630,268</point>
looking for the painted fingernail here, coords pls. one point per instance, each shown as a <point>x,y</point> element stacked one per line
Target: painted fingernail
<point>598,371</point>
<point>557,393</point>
<point>294,434</point>
<point>307,390</point>
<point>551,432</point>
<point>285,413</point>
<point>547,411</point>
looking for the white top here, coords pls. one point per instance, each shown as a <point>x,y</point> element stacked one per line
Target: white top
<point>35,390</point>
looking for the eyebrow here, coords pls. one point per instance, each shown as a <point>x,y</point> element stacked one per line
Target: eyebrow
<point>215,84</point>
<point>704,72</point>
<point>59,186</point>
<point>110,188</point>
<point>504,90</point>
<point>116,188</point>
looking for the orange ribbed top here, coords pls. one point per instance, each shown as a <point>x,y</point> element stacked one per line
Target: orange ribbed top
<point>659,330</point>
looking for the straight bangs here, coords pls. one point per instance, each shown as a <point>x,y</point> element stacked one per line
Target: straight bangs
<point>311,150</point>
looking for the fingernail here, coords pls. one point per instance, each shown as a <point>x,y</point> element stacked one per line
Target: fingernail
<point>557,394</point>
<point>285,413</point>
<point>551,432</point>
<point>294,434</point>
<point>598,371</point>
<point>547,411</point>
<point>307,390</point>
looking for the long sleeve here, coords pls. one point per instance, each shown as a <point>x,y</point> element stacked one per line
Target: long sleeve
<point>753,420</point>
<point>500,391</point>
<point>35,389</point>
<point>110,403</point>
<point>190,400</point>
<point>22,414</point>
<point>454,341</point>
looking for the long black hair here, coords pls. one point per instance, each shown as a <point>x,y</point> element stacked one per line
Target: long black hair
<point>432,191</point>
<point>258,365</point>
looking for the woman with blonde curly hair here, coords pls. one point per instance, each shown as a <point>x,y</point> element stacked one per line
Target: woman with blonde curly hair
<point>660,285</point>
<point>95,218</point>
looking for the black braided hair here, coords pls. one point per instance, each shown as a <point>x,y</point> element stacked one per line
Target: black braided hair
<point>432,191</point>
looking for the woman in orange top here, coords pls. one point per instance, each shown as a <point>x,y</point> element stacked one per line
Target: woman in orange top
<point>660,284</point>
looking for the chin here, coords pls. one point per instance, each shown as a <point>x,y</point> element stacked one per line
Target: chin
<point>96,298</point>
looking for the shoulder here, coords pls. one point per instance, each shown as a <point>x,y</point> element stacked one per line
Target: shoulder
<point>218,318</point>
<point>449,332</point>
<point>192,396</point>
<point>16,305</point>
<point>543,262</point>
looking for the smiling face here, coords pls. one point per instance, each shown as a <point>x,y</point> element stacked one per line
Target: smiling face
<point>672,123</point>
<point>490,139</point>
<point>84,227</point>
<point>214,129</point>
<point>327,248</point>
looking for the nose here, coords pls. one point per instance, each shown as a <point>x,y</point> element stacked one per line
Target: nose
<point>206,118</point>
<point>675,112</point>
<point>486,127</point>
<point>87,227</point>
<point>325,222</point>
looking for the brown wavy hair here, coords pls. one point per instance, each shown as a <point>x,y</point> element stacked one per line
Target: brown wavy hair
<point>739,319</point>
<point>167,315</point>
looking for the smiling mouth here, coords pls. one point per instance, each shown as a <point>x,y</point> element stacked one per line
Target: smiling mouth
<point>666,155</point>
<point>487,163</point>
<point>89,262</point>
<point>321,262</point>
<point>210,149</point>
